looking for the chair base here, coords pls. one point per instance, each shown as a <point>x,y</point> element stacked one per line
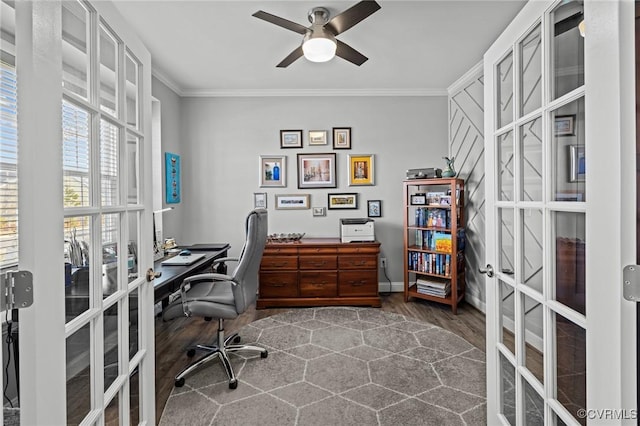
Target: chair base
<point>215,351</point>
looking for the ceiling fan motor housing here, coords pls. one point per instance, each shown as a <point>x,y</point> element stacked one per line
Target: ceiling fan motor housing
<point>318,15</point>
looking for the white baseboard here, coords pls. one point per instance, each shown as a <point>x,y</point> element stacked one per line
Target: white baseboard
<point>396,287</point>
<point>476,302</point>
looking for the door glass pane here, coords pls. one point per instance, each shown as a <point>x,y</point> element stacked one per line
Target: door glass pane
<point>506,166</point>
<point>133,243</point>
<point>508,389</point>
<point>533,406</point>
<point>570,259</point>
<point>531,161</point>
<point>533,337</point>
<point>505,219</point>
<point>571,366</point>
<point>504,86</point>
<point>531,72</point>
<point>109,164</point>
<point>76,155</point>
<point>108,67</point>
<point>77,240</point>
<point>133,168</point>
<point>111,338</point>
<point>507,296</point>
<point>569,152</point>
<point>131,90</point>
<point>110,250</point>
<point>112,412</point>
<point>567,59</point>
<point>134,399</point>
<point>75,49</point>
<point>79,392</point>
<point>133,323</point>
<point>532,243</point>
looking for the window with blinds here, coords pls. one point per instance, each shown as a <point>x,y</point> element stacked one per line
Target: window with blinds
<point>8,157</point>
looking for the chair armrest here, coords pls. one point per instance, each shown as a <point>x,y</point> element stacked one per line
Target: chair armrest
<point>194,280</point>
<point>225,259</point>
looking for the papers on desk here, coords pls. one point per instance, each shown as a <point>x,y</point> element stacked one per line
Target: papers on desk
<point>183,260</point>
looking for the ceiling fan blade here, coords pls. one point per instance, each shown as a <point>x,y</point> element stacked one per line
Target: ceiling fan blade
<point>281,22</point>
<point>291,58</point>
<point>350,54</point>
<point>350,17</point>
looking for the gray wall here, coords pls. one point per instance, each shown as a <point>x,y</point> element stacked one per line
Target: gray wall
<point>221,139</point>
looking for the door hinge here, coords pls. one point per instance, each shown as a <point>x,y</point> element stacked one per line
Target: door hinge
<point>16,290</point>
<point>631,283</point>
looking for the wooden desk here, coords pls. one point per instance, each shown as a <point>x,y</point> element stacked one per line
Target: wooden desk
<point>319,272</point>
<point>172,275</point>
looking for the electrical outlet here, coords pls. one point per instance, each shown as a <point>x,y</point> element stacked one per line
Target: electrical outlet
<point>383,262</point>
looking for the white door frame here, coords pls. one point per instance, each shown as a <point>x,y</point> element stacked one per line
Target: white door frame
<point>41,239</point>
<point>610,225</point>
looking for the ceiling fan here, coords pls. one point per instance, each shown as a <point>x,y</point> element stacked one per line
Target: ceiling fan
<point>319,43</point>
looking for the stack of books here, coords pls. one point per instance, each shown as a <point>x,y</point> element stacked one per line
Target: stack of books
<point>433,288</point>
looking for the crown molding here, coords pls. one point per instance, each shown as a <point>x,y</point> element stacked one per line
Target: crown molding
<point>463,81</point>
<point>228,93</point>
<point>167,81</point>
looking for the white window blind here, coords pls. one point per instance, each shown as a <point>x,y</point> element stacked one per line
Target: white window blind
<point>8,161</point>
<point>76,155</point>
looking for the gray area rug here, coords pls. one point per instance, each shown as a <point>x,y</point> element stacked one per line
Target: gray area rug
<point>340,366</point>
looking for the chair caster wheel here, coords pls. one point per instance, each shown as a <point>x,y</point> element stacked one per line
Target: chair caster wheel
<point>237,339</point>
<point>233,385</point>
<point>191,353</point>
<point>179,383</point>
<point>264,354</point>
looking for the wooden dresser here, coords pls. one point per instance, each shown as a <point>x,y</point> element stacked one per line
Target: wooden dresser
<point>319,272</point>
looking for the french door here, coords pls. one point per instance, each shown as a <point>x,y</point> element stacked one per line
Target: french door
<point>561,213</point>
<point>84,114</point>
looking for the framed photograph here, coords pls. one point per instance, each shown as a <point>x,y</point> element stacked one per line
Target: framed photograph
<point>292,202</point>
<point>172,177</point>
<point>273,171</point>
<point>317,170</point>
<point>259,200</point>
<point>317,137</point>
<point>577,166</point>
<point>319,211</point>
<point>564,125</point>
<point>374,208</point>
<point>360,169</point>
<point>290,138</point>
<point>342,138</point>
<point>418,200</point>
<point>343,201</point>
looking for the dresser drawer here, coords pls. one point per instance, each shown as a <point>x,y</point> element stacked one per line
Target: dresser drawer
<point>275,251</point>
<point>358,262</point>
<point>317,250</point>
<point>318,262</point>
<point>324,284</point>
<point>278,284</point>
<point>347,249</point>
<point>358,283</point>
<point>279,262</point>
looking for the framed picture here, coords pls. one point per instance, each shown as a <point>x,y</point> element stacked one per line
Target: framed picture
<point>418,200</point>
<point>374,208</point>
<point>290,138</point>
<point>273,171</point>
<point>360,169</point>
<point>343,201</point>
<point>292,202</point>
<point>317,170</point>
<point>319,211</point>
<point>577,166</point>
<point>342,138</point>
<point>172,177</point>
<point>259,200</point>
<point>564,125</point>
<point>317,137</point>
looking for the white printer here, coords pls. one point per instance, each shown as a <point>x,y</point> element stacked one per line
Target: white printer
<point>352,230</point>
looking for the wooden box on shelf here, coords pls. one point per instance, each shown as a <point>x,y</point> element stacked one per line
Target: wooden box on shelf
<point>434,239</point>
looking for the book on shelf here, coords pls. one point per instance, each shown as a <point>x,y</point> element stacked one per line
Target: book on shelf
<point>442,242</point>
<point>433,288</point>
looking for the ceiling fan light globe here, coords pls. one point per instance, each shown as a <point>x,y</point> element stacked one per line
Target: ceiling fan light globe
<point>319,49</point>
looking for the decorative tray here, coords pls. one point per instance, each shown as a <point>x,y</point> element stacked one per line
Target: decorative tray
<point>284,238</point>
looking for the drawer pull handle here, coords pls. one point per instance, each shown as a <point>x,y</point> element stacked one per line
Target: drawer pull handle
<point>357,283</point>
<point>361,263</point>
<point>319,263</point>
<point>318,283</point>
<point>279,285</point>
<point>281,264</point>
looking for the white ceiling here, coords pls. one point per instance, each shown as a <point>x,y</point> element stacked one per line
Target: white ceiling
<point>212,47</point>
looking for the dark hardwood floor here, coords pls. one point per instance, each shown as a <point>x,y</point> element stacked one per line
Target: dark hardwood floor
<point>175,337</point>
